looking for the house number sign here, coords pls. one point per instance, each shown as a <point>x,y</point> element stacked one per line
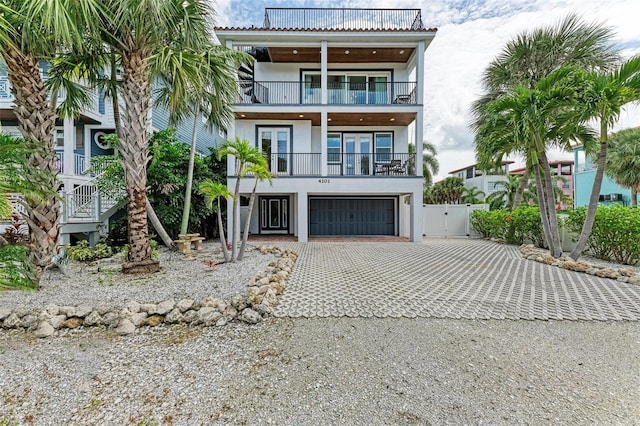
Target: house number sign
<point>325,180</point>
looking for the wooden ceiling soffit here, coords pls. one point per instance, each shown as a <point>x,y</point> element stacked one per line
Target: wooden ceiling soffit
<point>341,54</point>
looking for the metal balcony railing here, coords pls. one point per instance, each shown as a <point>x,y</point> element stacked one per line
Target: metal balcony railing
<point>341,164</point>
<point>343,18</point>
<point>338,93</point>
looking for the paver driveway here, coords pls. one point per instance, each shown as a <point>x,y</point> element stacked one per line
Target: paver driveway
<point>445,278</point>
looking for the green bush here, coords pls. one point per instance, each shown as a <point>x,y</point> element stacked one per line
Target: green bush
<point>614,235</point>
<point>16,269</point>
<point>519,226</point>
<point>83,252</point>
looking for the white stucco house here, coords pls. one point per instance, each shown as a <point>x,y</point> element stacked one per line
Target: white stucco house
<point>333,99</point>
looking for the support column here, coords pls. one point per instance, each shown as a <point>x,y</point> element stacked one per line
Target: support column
<point>324,128</point>
<point>416,217</point>
<point>68,158</point>
<point>86,135</point>
<point>303,217</point>
<point>420,101</point>
<point>323,72</point>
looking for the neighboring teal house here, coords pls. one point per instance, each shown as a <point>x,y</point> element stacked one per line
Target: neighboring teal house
<point>584,174</point>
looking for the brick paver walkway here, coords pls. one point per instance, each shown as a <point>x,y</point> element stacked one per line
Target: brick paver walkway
<point>445,278</point>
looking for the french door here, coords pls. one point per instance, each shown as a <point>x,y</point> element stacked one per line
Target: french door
<point>275,143</point>
<point>357,154</point>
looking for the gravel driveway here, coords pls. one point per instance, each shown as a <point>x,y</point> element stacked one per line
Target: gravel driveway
<point>344,371</point>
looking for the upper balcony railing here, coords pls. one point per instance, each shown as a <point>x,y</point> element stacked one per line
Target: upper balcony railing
<point>338,93</point>
<point>343,19</point>
<point>379,164</point>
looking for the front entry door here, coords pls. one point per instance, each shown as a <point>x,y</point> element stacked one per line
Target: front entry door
<point>357,150</point>
<point>274,142</point>
<point>274,213</point>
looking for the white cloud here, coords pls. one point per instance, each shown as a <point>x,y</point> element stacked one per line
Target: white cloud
<point>470,34</point>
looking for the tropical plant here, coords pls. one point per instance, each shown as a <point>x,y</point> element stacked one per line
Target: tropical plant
<point>214,191</point>
<point>603,95</point>
<point>31,31</point>
<point>623,160</point>
<point>472,196</point>
<point>207,94</point>
<point>504,195</point>
<point>530,121</point>
<point>448,190</point>
<point>533,55</point>
<point>16,269</point>
<point>261,172</point>
<point>245,155</point>
<point>430,166</point>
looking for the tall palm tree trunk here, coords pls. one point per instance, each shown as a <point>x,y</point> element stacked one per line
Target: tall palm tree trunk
<point>546,229</point>
<point>184,226</point>
<point>223,240</point>
<point>522,185</point>
<point>247,225</point>
<point>37,121</point>
<point>554,247</point>
<point>236,216</point>
<point>593,202</point>
<point>634,197</point>
<point>135,155</point>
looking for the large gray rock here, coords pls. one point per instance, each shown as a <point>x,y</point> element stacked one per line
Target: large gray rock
<point>44,330</point>
<point>230,312</point>
<point>184,305</point>
<point>133,307</point>
<point>262,309</point>
<point>12,321</point>
<point>69,311</point>
<point>173,317</point>
<point>190,316</point>
<point>270,299</point>
<point>147,307</point>
<point>93,318</point>
<point>83,310</point>
<point>239,302</point>
<point>22,310</point>
<point>111,319</point>
<point>163,308</point>
<point>208,315</point>
<point>52,309</point>
<point>102,308</point>
<point>125,327</point>
<point>250,316</point>
<point>4,313</point>
<point>30,322</point>
<point>137,318</point>
<point>56,320</point>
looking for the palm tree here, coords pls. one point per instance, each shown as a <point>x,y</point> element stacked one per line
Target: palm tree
<point>623,160</point>
<point>245,155</point>
<point>505,197</point>
<point>528,121</point>
<point>213,191</point>
<point>141,33</point>
<point>532,56</point>
<point>430,166</point>
<point>211,95</point>
<point>261,172</point>
<point>472,196</point>
<point>30,31</point>
<point>603,95</point>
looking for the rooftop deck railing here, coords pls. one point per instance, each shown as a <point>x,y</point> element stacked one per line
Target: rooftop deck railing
<point>343,18</point>
<point>340,164</point>
<point>339,93</point>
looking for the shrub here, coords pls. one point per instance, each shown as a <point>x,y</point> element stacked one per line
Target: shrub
<point>614,235</point>
<point>83,252</point>
<point>513,227</point>
<point>16,269</point>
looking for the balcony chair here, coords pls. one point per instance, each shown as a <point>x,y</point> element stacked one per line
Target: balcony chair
<point>397,167</point>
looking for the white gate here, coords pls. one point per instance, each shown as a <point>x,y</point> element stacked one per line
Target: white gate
<point>450,220</point>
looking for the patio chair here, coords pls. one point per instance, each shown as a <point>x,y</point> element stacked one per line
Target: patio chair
<point>397,167</point>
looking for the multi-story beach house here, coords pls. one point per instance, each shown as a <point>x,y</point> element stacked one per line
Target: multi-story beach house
<point>334,99</point>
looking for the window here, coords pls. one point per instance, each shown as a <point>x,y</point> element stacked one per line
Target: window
<point>351,87</point>
<point>333,147</point>
<point>59,138</point>
<point>383,146</point>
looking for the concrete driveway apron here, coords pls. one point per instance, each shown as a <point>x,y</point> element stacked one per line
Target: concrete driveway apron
<point>445,278</point>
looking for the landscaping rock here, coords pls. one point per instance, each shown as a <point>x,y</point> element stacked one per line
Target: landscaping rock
<point>92,319</point>
<point>125,327</point>
<point>12,321</point>
<point>250,316</point>
<point>52,309</point>
<point>190,316</point>
<point>56,320</point>
<point>221,322</point>
<point>173,317</point>
<point>262,309</point>
<point>4,313</point>
<point>69,311</point>
<point>208,315</point>
<point>152,320</point>
<point>239,302</point>
<point>270,299</point>
<point>133,307</point>
<point>111,319</point>
<point>163,308</point>
<point>44,330</point>
<point>147,307</point>
<point>83,310</point>
<point>184,305</point>
<point>230,312</point>
<point>137,318</point>
<point>30,322</point>
<point>73,322</point>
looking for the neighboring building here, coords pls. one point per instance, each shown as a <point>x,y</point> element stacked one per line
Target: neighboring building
<point>79,139</point>
<point>563,168</point>
<point>486,182</point>
<point>333,99</point>
<point>584,175</point>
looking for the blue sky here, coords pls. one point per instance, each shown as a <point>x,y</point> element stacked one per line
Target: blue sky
<point>470,34</point>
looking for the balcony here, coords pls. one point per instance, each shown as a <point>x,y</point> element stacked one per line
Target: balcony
<point>341,164</point>
<point>338,93</point>
<point>343,19</point>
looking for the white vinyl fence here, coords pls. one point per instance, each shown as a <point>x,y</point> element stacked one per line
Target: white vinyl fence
<point>443,220</point>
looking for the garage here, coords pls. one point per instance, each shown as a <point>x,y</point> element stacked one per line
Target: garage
<point>352,216</point>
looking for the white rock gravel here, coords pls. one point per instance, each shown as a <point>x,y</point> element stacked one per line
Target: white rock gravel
<point>101,281</point>
<point>328,371</point>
